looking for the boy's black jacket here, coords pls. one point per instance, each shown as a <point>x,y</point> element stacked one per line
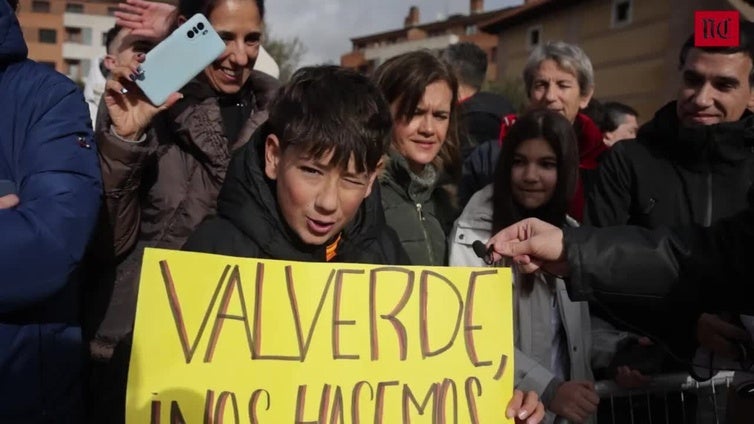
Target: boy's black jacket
<point>249,223</point>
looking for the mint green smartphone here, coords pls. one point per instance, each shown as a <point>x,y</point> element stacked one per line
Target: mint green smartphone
<point>179,58</point>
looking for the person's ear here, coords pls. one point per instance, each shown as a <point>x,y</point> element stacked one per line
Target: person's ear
<point>109,62</point>
<point>373,177</point>
<point>584,102</point>
<point>750,103</point>
<point>272,156</point>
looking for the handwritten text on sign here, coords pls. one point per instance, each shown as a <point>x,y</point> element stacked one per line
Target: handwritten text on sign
<point>229,340</point>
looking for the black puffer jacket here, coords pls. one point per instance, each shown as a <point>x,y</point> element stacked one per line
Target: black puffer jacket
<point>673,175</point>
<point>249,224</point>
<point>701,268</point>
<point>481,115</point>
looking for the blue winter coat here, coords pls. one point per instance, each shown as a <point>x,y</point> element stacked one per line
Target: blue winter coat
<point>48,158</point>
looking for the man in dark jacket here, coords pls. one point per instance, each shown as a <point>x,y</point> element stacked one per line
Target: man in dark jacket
<point>481,112</point>
<point>692,164</point>
<point>701,267</point>
<point>50,182</point>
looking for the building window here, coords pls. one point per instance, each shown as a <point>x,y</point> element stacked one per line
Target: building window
<point>471,29</point>
<point>493,55</point>
<point>74,8</point>
<point>73,35</point>
<point>74,69</point>
<point>40,6</point>
<point>622,11</point>
<point>86,37</point>
<point>533,37</point>
<point>49,36</point>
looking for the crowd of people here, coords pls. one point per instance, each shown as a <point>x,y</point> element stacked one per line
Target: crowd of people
<point>414,165</point>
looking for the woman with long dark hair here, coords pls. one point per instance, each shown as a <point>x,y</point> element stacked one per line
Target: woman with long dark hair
<point>536,176</point>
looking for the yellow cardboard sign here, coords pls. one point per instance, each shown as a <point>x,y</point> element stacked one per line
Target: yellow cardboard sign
<point>229,340</point>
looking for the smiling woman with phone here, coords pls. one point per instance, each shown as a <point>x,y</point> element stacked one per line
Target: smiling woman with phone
<point>163,165</point>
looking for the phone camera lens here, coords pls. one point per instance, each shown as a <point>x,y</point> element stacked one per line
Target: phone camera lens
<point>200,26</point>
<point>190,34</point>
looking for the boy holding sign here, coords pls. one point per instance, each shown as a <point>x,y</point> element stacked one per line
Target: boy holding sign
<point>302,188</point>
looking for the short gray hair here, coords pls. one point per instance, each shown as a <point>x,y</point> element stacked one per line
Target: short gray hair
<point>568,56</point>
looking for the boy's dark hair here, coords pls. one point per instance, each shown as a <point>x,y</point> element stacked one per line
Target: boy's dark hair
<point>555,129</point>
<point>615,113</point>
<point>189,8</point>
<point>403,80</point>
<point>469,62</point>
<point>329,108</point>
<point>13,4</point>
<point>745,45</point>
<point>110,37</point>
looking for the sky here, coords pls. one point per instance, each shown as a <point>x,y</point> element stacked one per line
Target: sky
<point>326,26</point>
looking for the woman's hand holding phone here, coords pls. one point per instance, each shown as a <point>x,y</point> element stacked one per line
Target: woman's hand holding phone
<point>129,109</point>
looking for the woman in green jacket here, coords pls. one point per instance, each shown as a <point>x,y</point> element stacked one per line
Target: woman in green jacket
<point>418,182</point>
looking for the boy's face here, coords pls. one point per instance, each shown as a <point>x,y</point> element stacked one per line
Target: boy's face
<point>316,198</point>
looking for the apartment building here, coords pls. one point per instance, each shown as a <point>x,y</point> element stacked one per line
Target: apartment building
<point>67,34</point>
<point>369,51</point>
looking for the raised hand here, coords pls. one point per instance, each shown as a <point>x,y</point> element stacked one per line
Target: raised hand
<point>130,111</point>
<point>147,18</point>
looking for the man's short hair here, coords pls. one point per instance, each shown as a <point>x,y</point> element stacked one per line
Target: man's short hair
<point>329,108</point>
<point>614,115</point>
<point>468,61</point>
<point>745,45</point>
<point>110,36</point>
<point>568,56</point>
<point>13,4</point>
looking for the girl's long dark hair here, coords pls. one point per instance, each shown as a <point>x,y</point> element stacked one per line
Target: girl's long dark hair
<point>555,129</point>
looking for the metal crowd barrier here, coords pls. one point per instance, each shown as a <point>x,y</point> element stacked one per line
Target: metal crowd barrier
<point>666,400</point>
